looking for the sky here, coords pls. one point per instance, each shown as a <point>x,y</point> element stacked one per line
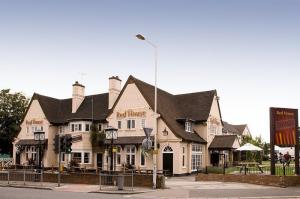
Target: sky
<point>247,50</point>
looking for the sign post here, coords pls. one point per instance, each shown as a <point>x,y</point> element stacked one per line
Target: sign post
<point>284,132</point>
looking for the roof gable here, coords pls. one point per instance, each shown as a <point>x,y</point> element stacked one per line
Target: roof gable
<point>59,111</point>
<point>170,107</point>
<point>224,142</point>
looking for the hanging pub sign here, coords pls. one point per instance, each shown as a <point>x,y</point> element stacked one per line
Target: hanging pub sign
<point>285,124</point>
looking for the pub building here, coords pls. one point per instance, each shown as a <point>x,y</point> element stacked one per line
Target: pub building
<point>186,126</point>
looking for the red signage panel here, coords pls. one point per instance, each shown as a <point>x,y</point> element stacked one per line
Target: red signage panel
<point>284,126</point>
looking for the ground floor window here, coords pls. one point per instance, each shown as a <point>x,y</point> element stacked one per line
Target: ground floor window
<point>81,157</point>
<point>118,155</point>
<point>76,157</point>
<point>130,155</point>
<point>143,159</point>
<point>86,159</point>
<point>197,157</point>
<point>31,153</point>
<point>62,157</point>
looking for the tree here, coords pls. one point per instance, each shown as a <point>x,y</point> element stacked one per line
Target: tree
<point>96,138</point>
<point>12,109</point>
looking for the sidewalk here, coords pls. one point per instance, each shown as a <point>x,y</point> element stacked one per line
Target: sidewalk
<point>84,188</point>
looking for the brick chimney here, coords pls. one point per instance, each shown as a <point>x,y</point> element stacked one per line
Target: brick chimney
<point>77,96</point>
<point>114,90</point>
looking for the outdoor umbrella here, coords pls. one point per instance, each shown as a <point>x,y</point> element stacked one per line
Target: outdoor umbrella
<point>249,147</point>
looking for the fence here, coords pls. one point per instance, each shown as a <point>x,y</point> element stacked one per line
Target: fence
<point>21,177</point>
<point>116,181</point>
<point>280,170</point>
<point>5,163</point>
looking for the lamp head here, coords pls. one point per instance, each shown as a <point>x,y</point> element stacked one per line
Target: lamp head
<point>141,37</point>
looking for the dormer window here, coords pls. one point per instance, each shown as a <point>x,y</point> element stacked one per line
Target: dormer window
<point>188,127</point>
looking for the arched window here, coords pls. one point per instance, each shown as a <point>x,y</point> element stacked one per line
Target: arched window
<point>168,149</point>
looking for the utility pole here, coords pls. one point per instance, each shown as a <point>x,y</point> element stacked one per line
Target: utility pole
<point>59,162</point>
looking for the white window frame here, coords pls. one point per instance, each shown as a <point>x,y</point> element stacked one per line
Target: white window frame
<point>118,154</point>
<point>131,122</point>
<point>188,126</point>
<point>63,158</point>
<point>142,165</point>
<point>35,128</point>
<point>143,123</point>
<point>83,158</point>
<point>130,154</point>
<point>119,124</point>
<point>197,156</point>
<point>183,158</point>
<point>72,156</point>
<point>74,127</point>
<point>87,125</point>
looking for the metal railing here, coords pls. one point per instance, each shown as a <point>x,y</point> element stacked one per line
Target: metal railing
<point>22,177</point>
<point>280,170</point>
<point>116,181</point>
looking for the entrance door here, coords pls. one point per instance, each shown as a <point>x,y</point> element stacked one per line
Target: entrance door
<point>214,158</point>
<point>168,163</point>
<point>168,160</point>
<point>99,161</point>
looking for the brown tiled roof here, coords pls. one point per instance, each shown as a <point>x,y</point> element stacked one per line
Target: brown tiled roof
<point>195,106</point>
<point>60,111</point>
<point>223,142</point>
<point>235,129</point>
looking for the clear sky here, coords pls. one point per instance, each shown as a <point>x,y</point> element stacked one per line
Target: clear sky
<point>248,50</point>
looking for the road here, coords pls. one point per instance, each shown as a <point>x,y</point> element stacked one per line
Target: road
<point>183,187</point>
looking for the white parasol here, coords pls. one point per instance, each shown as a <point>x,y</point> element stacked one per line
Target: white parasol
<point>249,147</point>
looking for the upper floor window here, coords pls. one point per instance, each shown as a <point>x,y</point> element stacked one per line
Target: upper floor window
<point>188,126</point>
<point>131,124</point>
<point>87,127</point>
<point>76,127</point>
<point>143,123</point>
<point>36,128</point>
<point>100,127</point>
<point>213,129</point>
<point>119,124</point>
<point>61,129</point>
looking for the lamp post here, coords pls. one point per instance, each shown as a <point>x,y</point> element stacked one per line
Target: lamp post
<point>39,136</point>
<point>141,37</point>
<point>112,134</point>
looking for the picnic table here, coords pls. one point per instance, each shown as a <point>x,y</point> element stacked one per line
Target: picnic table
<point>245,166</point>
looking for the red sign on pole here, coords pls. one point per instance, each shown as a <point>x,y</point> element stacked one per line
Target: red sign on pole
<point>285,126</point>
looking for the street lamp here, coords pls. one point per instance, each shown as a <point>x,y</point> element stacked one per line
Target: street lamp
<point>39,136</point>
<point>112,134</point>
<point>141,37</point>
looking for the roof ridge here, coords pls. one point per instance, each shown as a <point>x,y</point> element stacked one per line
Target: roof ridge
<point>67,98</point>
<point>208,91</point>
<point>148,84</point>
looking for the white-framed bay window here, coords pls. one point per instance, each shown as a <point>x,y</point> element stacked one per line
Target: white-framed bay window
<point>197,157</point>
<point>82,157</point>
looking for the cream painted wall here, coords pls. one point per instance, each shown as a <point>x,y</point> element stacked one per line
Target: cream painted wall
<point>214,118</point>
<point>132,99</point>
<point>36,113</point>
